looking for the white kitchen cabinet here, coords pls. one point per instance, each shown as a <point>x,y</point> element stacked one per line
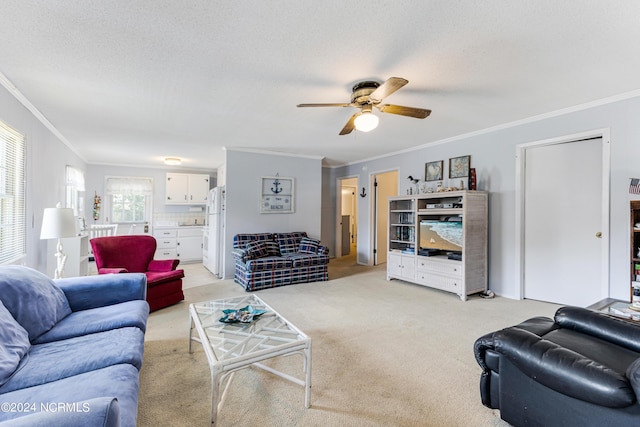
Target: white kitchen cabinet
<point>183,243</point>
<point>402,266</point>
<point>186,189</point>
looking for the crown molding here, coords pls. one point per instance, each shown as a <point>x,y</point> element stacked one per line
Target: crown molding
<point>13,90</point>
<point>580,107</point>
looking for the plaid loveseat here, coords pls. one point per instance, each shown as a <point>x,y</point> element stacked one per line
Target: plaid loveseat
<point>267,260</point>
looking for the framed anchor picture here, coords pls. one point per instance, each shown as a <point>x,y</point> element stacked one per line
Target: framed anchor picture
<point>276,195</point>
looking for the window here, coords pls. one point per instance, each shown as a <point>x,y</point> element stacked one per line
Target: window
<point>129,199</point>
<point>12,203</point>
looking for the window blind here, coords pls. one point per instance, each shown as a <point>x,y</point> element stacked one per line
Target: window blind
<point>12,195</point>
<point>127,185</point>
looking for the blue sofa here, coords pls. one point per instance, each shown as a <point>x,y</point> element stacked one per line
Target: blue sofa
<point>70,349</point>
<point>267,260</point>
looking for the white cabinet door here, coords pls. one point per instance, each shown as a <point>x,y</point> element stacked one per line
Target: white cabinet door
<point>198,188</point>
<point>186,189</point>
<point>394,265</point>
<point>401,266</point>
<point>177,186</point>
<point>190,248</point>
<point>409,267</point>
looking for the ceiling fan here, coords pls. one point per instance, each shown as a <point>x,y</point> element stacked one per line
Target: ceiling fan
<point>369,94</point>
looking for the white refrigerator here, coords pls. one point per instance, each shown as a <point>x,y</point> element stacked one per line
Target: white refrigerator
<point>213,240</point>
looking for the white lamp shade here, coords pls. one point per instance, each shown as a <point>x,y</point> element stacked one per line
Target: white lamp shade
<point>58,223</point>
<point>366,122</point>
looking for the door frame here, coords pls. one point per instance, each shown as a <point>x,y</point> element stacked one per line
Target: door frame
<point>338,238</point>
<point>373,209</point>
<point>603,133</point>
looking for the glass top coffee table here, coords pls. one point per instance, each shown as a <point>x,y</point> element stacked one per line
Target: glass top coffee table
<point>624,310</point>
<point>230,347</point>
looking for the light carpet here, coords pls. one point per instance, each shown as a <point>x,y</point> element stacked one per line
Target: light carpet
<point>384,353</point>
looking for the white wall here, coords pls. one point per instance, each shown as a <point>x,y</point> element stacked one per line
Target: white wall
<point>493,155</point>
<point>244,171</point>
<point>47,158</point>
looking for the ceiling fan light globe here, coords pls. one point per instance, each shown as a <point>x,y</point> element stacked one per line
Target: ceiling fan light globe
<point>366,122</point>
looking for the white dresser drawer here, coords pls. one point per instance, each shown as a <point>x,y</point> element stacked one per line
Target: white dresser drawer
<point>166,242</point>
<point>166,254</point>
<point>440,266</point>
<point>445,283</point>
<point>160,233</point>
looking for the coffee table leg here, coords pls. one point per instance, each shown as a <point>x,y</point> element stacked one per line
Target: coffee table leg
<point>307,385</point>
<point>215,395</point>
<point>191,326</point>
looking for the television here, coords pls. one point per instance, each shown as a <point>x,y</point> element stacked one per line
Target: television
<point>441,235</point>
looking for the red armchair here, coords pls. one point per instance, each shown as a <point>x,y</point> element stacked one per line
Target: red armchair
<point>134,254</point>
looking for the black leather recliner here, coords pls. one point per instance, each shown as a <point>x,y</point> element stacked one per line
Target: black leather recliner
<point>580,369</point>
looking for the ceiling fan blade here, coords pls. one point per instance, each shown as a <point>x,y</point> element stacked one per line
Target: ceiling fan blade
<point>387,88</point>
<point>418,113</point>
<point>350,126</point>
<point>325,105</point>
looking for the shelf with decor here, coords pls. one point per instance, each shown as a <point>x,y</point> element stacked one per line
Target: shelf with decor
<point>402,225</point>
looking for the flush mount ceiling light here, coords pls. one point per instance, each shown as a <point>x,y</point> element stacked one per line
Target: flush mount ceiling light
<point>172,161</point>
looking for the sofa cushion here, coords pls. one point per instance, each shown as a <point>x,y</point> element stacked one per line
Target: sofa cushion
<point>156,277</point>
<point>289,242</point>
<point>119,381</point>
<point>305,260</point>
<point>56,360</point>
<point>99,319</point>
<point>99,412</point>
<point>309,246</point>
<point>14,344</point>
<point>256,250</point>
<point>268,263</point>
<point>33,299</point>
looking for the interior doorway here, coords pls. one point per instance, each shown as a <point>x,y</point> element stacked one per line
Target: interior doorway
<point>347,219</point>
<point>384,185</point>
<point>564,205</point>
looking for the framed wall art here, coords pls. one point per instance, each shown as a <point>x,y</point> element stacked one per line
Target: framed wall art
<point>459,166</point>
<point>276,195</point>
<point>433,171</point>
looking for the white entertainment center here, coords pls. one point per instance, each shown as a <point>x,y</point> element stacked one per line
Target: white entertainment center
<point>439,240</point>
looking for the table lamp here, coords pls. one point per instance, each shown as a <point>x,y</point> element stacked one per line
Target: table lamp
<point>58,223</point>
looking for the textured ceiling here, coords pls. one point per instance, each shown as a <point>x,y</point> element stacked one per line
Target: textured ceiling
<point>131,82</point>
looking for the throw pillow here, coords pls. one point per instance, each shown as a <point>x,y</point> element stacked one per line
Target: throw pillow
<point>33,299</point>
<point>273,248</point>
<point>14,344</point>
<point>256,250</point>
<point>309,246</point>
<point>289,242</point>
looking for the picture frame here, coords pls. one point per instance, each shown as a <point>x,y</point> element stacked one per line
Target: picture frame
<point>433,171</point>
<point>277,195</point>
<point>459,166</point>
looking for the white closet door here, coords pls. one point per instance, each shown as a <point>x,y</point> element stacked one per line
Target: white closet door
<point>562,216</point>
